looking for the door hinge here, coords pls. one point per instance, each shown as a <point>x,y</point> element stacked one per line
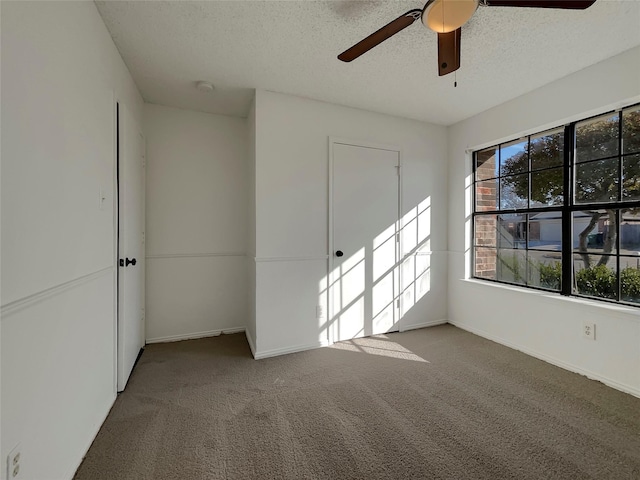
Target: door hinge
<point>398,303</point>
<point>397,238</point>
<point>398,169</point>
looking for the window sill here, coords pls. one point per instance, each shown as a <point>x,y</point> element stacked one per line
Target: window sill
<point>553,298</point>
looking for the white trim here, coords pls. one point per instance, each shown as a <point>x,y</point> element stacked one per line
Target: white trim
<point>399,288</point>
<point>252,344</point>
<point>554,361</point>
<point>363,143</point>
<point>22,303</point>
<point>195,255</point>
<point>290,259</point>
<point>328,305</point>
<point>143,293</point>
<point>96,429</point>
<point>283,351</point>
<point>116,244</point>
<point>431,323</point>
<point>191,336</point>
<point>621,310</point>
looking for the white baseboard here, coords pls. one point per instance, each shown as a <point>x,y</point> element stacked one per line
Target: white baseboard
<point>190,336</point>
<point>251,342</point>
<point>96,429</point>
<point>554,361</point>
<point>415,326</point>
<point>283,351</point>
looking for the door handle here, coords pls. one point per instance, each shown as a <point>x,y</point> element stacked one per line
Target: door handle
<point>130,262</point>
<point>339,253</point>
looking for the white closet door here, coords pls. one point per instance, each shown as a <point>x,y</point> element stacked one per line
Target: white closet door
<point>364,280</point>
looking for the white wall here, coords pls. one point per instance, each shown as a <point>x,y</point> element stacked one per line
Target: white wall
<point>197,182</point>
<point>60,75</point>
<point>544,325</point>
<point>292,209</point>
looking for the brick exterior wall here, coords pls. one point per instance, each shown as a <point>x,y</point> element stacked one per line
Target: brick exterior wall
<point>485,226</point>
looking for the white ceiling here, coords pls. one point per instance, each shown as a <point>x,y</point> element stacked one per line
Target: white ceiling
<point>291,47</point>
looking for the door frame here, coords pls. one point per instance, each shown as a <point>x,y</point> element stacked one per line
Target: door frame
<point>116,235</point>
<point>333,140</point>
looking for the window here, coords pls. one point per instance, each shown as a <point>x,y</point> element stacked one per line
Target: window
<point>560,210</point>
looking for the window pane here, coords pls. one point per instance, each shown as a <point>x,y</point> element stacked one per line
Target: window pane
<point>511,231</point>
<point>630,279</point>
<point>630,232</point>
<point>485,230</point>
<point>547,150</point>
<point>597,181</point>
<point>487,195</point>
<point>597,138</point>
<point>631,177</point>
<point>487,164</point>
<point>545,269</point>
<point>512,266</point>
<point>594,245</point>
<point>594,231</point>
<point>504,231</point>
<point>547,187</point>
<point>598,280</point>
<point>631,130</point>
<point>485,262</point>
<point>630,261</point>
<point>514,191</point>
<point>513,157</point>
<point>545,231</point>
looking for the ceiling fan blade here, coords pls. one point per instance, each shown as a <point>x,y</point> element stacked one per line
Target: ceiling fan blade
<point>566,4</point>
<point>449,52</point>
<point>380,36</point>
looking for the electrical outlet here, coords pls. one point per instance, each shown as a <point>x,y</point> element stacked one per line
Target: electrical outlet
<point>319,311</point>
<point>589,330</point>
<point>14,464</point>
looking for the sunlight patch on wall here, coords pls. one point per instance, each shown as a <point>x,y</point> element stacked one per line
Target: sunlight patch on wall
<point>369,292</point>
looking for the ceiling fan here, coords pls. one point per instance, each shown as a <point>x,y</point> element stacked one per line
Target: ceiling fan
<point>446,17</point>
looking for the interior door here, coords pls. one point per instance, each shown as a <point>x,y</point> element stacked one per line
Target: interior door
<point>364,275</point>
<point>131,186</point>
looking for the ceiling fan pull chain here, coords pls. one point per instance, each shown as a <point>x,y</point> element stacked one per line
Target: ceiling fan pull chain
<point>455,79</point>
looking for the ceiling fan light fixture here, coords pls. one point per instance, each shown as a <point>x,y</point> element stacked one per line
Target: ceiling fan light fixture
<point>445,16</point>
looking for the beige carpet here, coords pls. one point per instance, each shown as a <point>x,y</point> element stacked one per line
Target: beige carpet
<point>428,404</point>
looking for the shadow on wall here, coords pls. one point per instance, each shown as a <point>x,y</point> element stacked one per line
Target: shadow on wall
<point>369,292</point>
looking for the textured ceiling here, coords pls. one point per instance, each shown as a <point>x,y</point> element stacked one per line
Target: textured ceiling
<point>291,47</point>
